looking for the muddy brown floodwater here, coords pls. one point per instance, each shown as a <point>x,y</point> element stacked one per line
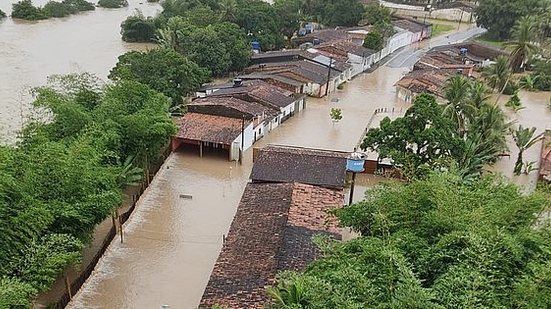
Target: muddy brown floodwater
<point>172,243</point>
<point>31,51</point>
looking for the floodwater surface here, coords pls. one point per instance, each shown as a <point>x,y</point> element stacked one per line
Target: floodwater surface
<point>171,243</point>
<point>32,50</point>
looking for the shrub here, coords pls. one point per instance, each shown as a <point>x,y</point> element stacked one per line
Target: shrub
<point>80,5</point>
<point>514,102</point>
<point>374,41</point>
<point>138,28</point>
<point>25,9</point>
<point>112,4</point>
<point>58,9</point>
<point>510,88</point>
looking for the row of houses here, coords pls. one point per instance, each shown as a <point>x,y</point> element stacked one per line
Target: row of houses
<point>432,71</point>
<point>283,206</point>
<point>326,58</point>
<point>232,118</point>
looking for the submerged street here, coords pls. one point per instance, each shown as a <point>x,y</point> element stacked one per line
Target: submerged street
<point>171,243</point>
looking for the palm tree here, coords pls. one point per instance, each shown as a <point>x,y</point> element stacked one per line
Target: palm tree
<point>497,75</point>
<point>228,9</point>
<point>129,175</point>
<point>458,107</point>
<point>524,139</point>
<point>474,155</point>
<point>491,124</point>
<point>528,82</point>
<point>478,94</point>
<point>523,45</point>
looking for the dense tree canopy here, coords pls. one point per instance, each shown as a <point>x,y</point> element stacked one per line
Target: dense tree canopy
<point>435,243</point>
<point>138,28</point>
<point>163,70</point>
<point>112,4</point>
<point>374,41</point>
<point>421,138</point>
<point>25,10</point>
<point>64,176</point>
<point>499,16</point>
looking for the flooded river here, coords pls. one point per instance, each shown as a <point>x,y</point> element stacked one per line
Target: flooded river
<point>172,242</point>
<point>31,51</point>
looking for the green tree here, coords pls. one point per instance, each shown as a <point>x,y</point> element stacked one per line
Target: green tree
<point>434,243</point>
<point>15,294</point>
<point>341,12</point>
<point>381,18</point>
<point>514,102</point>
<point>163,70</point>
<point>2,14</point>
<point>290,16</point>
<point>228,10</point>
<point>138,28</point>
<point>374,41</point>
<point>260,21</point>
<point>499,16</point>
<point>113,4</point>
<point>25,9</point>
<point>523,45</point>
<point>524,138</point>
<point>498,74</point>
<point>417,142</point>
<point>335,114</point>
<point>458,108</point>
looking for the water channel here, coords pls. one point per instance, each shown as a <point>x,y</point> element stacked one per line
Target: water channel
<point>171,242</point>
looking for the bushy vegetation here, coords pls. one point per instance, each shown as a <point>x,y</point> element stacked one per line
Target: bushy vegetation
<point>138,28</point>
<point>374,41</point>
<point>499,16</point>
<point>25,9</point>
<point>2,14</point>
<point>432,243</point>
<point>113,4</point>
<point>466,134</point>
<point>163,70</point>
<point>65,175</point>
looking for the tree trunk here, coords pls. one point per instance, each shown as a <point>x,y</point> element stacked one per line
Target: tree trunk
<point>518,164</point>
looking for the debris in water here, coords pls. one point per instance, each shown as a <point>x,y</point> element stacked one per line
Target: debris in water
<point>186,196</point>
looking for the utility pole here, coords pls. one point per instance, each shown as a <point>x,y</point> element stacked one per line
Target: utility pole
<point>328,75</point>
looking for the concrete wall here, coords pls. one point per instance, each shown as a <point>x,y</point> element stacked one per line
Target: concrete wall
<point>418,11</point>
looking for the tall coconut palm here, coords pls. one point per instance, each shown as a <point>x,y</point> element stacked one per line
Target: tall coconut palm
<point>524,139</point>
<point>458,107</point>
<point>491,124</point>
<point>497,75</point>
<point>228,10</point>
<point>478,94</point>
<point>523,45</point>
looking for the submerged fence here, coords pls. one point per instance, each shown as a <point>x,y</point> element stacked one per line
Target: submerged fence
<point>74,287</point>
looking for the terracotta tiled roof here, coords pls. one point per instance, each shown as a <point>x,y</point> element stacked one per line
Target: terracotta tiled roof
<point>261,91</point>
<point>208,128</point>
<point>475,51</point>
<point>270,232</point>
<point>289,164</point>
<point>230,107</point>
<point>431,81</point>
<point>346,47</point>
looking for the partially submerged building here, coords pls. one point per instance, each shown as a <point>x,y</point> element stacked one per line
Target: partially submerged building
<point>275,221</point>
<point>230,119</point>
